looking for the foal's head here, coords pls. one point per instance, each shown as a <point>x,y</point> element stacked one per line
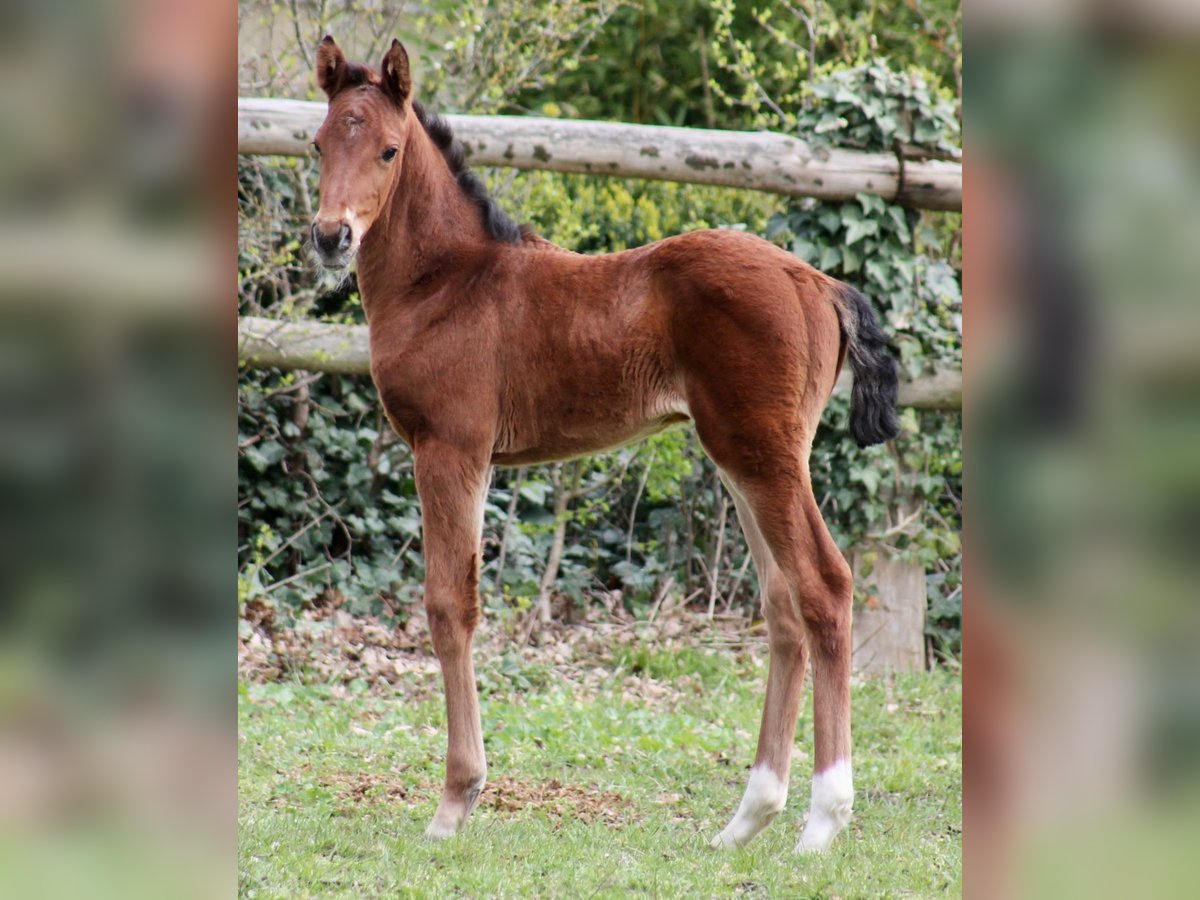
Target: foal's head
<point>361,144</point>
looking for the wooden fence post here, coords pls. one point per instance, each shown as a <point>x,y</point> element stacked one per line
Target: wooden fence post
<point>889,628</point>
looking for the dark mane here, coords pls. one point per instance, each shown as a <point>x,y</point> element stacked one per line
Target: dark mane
<point>498,223</point>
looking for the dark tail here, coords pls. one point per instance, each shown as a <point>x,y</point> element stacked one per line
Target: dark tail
<point>873,398</point>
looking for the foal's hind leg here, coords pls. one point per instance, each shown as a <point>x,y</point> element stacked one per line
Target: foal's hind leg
<point>766,791</point>
<point>820,580</point>
<point>818,583</point>
<point>452,486</point>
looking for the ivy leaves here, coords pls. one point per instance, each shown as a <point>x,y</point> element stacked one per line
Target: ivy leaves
<point>874,107</point>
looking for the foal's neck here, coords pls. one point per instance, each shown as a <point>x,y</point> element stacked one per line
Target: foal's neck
<point>428,230</point>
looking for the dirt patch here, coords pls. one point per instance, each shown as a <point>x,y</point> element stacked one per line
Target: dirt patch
<point>561,802</point>
<point>506,795</point>
<point>362,787</point>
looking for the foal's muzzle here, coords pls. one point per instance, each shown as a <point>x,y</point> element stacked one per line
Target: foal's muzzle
<point>332,242</point>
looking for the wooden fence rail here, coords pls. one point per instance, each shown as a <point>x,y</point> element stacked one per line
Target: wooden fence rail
<point>342,349</point>
<point>759,160</point>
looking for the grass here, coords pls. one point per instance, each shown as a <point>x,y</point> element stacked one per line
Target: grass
<point>609,788</point>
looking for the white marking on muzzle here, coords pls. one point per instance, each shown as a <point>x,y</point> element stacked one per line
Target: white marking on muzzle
<point>356,228</point>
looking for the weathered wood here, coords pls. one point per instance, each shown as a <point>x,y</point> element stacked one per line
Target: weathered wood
<point>761,160</point>
<point>939,390</point>
<point>315,346</point>
<point>342,349</point>
<point>889,628</point>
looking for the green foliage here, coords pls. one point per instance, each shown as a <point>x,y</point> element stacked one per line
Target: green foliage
<point>478,56</point>
<point>648,65</point>
<point>467,57</point>
<point>326,498</point>
<point>775,54</point>
<point>591,214</point>
<point>722,64</point>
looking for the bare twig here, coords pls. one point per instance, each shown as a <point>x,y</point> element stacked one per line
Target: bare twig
<point>737,582</point>
<point>633,508</point>
<point>304,574</point>
<point>716,563</point>
<point>900,527</point>
<point>509,515</point>
<point>662,594</point>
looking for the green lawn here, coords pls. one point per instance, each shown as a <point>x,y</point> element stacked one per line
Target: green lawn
<point>608,785</point>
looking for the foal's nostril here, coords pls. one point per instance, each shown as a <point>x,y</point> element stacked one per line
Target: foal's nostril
<point>333,241</point>
<point>331,238</point>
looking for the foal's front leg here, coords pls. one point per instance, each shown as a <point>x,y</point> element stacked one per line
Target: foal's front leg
<point>452,486</point>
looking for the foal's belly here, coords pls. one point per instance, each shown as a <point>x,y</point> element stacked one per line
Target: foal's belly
<point>598,437</point>
<point>585,397</point>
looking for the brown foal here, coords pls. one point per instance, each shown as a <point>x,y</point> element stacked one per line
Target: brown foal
<point>491,346</point>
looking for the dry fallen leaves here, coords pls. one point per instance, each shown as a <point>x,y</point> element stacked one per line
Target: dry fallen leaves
<point>326,644</point>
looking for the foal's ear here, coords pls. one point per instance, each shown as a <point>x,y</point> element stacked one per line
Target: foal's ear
<point>397,82</point>
<point>331,66</point>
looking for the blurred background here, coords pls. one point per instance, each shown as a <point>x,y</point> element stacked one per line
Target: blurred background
<point>1082,715</point>
<point>117,758</point>
<point>117,356</point>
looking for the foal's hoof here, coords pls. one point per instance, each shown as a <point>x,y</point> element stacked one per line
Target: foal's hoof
<point>439,830</point>
<point>446,822</point>
<point>723,841</point>
<point>813,844</point>
<point>821,829</point>
<point>452,815</point>
<point>764,799</point>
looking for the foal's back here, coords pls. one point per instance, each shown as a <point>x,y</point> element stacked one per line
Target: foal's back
<point>597,351</point>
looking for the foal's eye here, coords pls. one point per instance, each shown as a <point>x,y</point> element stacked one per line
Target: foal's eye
<point>389,154</point>
<point>316,148</point>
